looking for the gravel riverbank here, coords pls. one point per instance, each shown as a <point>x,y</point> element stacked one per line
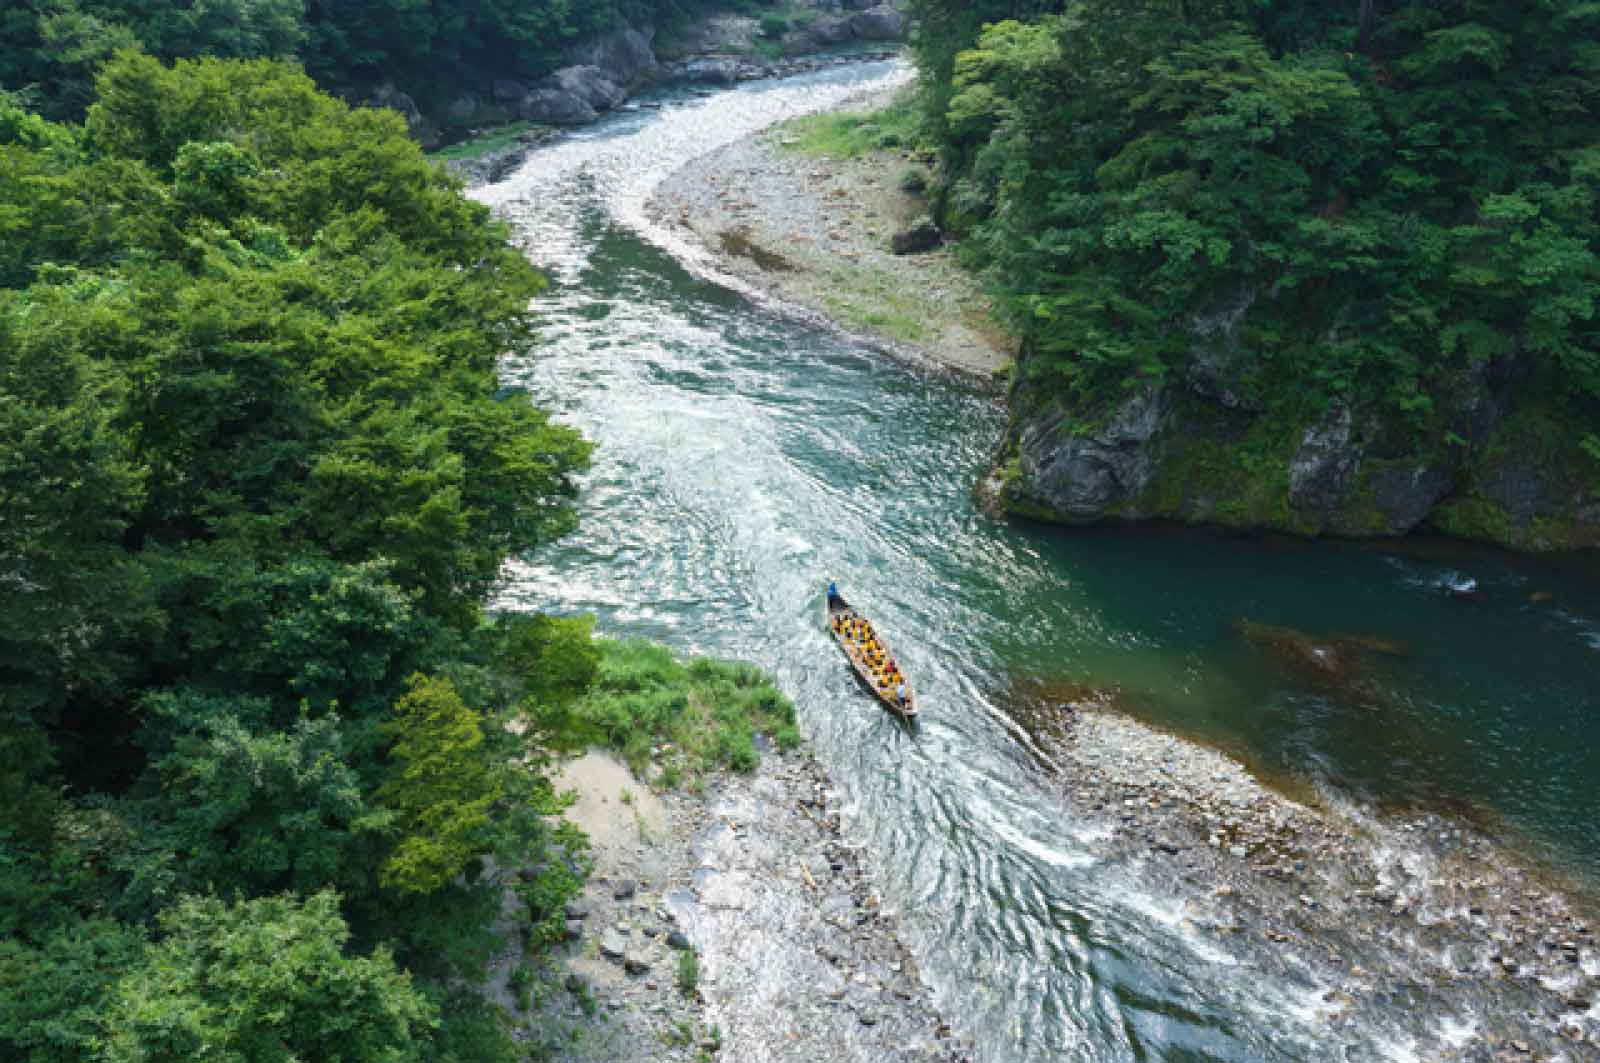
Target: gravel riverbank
<point>1382,920</point>
<point>814,233</point>
<point>796,958</point>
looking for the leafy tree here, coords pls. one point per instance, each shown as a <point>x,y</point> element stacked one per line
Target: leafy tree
<point>266,979</point>
<point>51,994</point>
<point>1136,178</point>
<point>243,811</point>
<point>69,483</point>
<point>441,789</point>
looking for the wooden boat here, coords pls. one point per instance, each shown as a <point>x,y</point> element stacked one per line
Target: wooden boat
<point>837,607</point>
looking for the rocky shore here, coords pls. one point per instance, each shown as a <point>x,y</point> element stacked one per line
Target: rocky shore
<point>1386,920</point>
<point>815,234</point>
<point>791,954</point>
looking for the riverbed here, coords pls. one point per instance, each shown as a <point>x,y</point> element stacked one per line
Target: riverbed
<point>745,457</point>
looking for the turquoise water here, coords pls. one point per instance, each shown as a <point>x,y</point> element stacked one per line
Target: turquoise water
<point>743,459</point>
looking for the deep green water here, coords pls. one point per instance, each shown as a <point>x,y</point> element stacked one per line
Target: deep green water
<point>743,459</point>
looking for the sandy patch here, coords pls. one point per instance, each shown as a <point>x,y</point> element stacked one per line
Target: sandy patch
<point>613,808</point>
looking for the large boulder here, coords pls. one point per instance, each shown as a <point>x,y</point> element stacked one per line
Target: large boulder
<point>881,23</point>
<point>1078,476</point>
<point>387,95</point>
<point>822,32</point>
<point>555,107</point>
<point>589,84</point>
<point>923,235</point>
<point>625,56</point>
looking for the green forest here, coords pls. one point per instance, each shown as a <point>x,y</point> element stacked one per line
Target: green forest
<point>258,794</point>
<point>51,49</point>
<point>1374,202</point>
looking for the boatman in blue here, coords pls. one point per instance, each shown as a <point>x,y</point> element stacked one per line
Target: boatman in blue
<point>833,593</point>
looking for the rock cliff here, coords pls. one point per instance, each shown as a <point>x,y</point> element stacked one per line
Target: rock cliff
<point>1493,461</point>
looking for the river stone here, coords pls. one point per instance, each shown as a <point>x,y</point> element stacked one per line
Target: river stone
<point>625,889</point>
<point>837,907</point>
<point>574,929</point>
<point>613,946</point>
<point>635,962</point>
<point>576,910</point>
<point>677,940</point>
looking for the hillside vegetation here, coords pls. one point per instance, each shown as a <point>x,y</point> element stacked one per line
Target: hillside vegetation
<point>1372,220</point>
<point>53,48</point>
<point>259,795</point>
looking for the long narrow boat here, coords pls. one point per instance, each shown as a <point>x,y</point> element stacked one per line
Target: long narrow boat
<point>837,607</point>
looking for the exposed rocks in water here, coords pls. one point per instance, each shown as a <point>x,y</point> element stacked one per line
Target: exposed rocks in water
<point>1339,660</point>
<point>598,75</point>
<point>1420,920</point>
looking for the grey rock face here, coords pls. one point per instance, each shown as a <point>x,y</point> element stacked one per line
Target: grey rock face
<point>881,23</point>
<point>1516,486</point>
<point>1080,477</point>
<point>1321,470</point>
<point>1406,495</point>
<point>625,56</point>
<point>589,84</point>
<point>554,107</point>
<point>1215,351</point>
<point>833,29</point>
<point>613,945</point>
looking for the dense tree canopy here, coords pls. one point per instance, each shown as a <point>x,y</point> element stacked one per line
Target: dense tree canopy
<point>1360,196</point>
<point>257,478</point>
<point>54,47</point>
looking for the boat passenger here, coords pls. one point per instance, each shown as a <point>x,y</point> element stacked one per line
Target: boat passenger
<point>900,693</point>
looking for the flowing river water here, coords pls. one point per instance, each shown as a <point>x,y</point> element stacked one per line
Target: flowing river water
<point>743,458</point>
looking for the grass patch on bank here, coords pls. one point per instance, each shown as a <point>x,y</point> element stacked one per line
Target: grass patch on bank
<point>884,303</point>
<point>850,135</point>
<point>490,140</point>
<point>706,711</point>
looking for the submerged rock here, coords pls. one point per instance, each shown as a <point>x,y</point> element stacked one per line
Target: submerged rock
<point>1342,660</point>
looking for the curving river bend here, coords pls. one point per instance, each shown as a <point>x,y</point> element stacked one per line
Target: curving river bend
<point>743,459</point>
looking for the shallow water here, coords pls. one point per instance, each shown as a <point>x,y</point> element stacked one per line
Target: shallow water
<point>743,459</point>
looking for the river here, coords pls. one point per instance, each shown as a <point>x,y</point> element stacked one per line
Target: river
<point>744,458</point>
